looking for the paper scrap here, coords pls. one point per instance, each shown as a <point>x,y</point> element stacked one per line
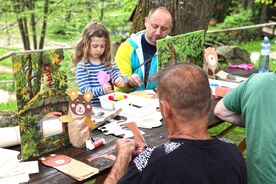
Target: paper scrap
<point>30,167</point>
<point>103,77</point>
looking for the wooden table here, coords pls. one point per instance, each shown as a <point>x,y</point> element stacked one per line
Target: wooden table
<point>153,137</point>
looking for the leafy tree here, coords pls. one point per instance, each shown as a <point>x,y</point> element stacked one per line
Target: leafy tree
<point>267,2</point>
<point>69,18</point>
<point>38,19</point>
<point>5,13</point>
<point>26,12</point>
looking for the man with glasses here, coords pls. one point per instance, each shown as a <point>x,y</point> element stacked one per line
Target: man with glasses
<point>136,57</point>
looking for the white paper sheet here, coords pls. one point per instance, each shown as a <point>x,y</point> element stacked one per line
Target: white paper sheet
<point>8,160</point>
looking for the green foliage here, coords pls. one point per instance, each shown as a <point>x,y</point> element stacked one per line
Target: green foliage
<point>242,18</point>
<point>186,48</point>
<point>267,2</point>
<point>68,23</point>
<point>9,106</point>
<point>28,129</point>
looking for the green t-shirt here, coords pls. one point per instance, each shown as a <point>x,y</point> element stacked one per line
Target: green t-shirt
<point>255,99</point>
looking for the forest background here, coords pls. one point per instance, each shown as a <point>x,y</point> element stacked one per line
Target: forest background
<point>40,24</point>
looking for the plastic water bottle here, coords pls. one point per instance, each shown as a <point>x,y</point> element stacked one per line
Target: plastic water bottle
<point>264,58</point>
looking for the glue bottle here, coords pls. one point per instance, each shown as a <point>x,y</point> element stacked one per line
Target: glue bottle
<point>92,145</point>
<point>264,58</point>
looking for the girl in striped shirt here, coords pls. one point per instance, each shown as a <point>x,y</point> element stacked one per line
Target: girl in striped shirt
<point>93,55</point>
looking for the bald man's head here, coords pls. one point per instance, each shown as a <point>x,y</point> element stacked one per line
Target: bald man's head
<point>186,88</point>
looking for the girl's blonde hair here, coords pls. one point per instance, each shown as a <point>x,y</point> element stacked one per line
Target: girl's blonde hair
<point>82,50</point>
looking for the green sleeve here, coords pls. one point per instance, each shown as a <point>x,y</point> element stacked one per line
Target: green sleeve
<point>233,100</point>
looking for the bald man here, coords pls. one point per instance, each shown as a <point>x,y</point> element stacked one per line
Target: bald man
<point>191,155</point>
<point>136,57</point>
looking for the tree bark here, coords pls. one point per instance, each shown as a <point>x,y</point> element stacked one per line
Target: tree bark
<point>18,9</point>
<point>263,17</point>
<point>44,25</point>
<point>244,4</point>
<point>27,38</point>
<point>33,22</point>
<point>188,15</point>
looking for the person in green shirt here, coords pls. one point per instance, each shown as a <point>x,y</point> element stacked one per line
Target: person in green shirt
<point>253,103</point>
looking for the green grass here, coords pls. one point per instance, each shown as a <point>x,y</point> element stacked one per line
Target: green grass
<point>9,86</point>
<point>9,106</point>
<point>255,46</point>
<point>235,135</point>
<point>7,61</point>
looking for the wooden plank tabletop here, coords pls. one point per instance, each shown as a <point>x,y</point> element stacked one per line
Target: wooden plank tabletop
<point>154,137</point>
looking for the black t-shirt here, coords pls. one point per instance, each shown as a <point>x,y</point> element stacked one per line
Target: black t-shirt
<point>148,52</point>
<point>184,161</point>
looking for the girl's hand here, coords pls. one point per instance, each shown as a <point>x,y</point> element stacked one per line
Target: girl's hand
<point>107,88</point>
<point>119,82</point>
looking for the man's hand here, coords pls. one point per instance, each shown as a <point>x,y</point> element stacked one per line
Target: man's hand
<point>107,88</point>
<point>134,81</point>
<point>125,150</point>
<point>119,82</point>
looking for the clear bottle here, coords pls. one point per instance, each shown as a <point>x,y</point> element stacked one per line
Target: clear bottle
<point>264,58</point>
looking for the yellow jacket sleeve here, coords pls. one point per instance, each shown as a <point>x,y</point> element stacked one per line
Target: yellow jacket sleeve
<point>123,61</point>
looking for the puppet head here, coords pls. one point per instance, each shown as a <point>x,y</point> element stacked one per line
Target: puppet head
<point>210,61</point>
<point>80,104</point>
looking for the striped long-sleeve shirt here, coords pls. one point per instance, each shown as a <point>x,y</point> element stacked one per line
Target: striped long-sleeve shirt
<point>87,77</point>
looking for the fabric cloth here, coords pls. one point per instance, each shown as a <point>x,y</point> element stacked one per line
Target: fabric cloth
<point>87,77</point>
<point>129,56</point>
<point>255,99</point>
<point>181,161</point>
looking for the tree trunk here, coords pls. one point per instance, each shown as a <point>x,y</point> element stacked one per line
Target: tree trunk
<point>102,11</point>
<point>27,38</point>
<point>263,17</point>
<point>188,15</point>
<point>18,9</point>
<point>44,24</point>
<point>244,4</point>
<point>33,22</point>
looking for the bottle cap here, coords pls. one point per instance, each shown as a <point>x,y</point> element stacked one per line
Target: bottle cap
<point>266,39</point>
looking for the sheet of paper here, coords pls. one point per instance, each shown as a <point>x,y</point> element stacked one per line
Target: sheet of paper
<point>20,178</point>
<point>103,77</point>
<point>223,75</point>
<point>99,114</point>
<point>30,167</point>
<point>8,160</point>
